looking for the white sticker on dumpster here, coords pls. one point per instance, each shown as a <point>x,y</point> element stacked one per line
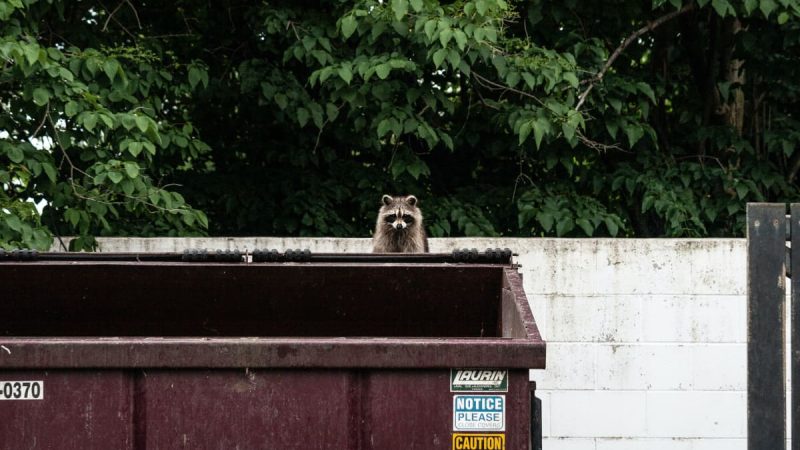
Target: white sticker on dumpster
<point>479,413</point>
<point>21,390</point>
<point>478,380</point>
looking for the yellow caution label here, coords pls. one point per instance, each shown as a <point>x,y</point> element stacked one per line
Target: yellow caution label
<point>471,441</point>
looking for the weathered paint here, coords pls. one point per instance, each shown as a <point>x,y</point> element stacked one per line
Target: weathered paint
<point>328,379</point>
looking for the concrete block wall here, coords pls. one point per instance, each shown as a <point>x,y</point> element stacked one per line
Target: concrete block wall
<point>646,337</point>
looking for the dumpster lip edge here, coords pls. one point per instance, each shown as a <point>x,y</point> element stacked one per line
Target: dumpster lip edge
<point>227,352</point>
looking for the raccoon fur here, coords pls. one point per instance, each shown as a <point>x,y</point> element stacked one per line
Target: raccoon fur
<point>399,227</point>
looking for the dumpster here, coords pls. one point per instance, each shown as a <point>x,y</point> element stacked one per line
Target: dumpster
<point>266,350</point>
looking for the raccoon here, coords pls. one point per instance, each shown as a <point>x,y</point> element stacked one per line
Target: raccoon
<point>399,227</point>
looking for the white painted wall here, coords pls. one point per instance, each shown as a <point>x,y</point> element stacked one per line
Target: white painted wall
<point>646,339</point>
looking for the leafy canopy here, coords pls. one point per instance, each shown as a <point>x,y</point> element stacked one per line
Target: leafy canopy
<point>574,118</point>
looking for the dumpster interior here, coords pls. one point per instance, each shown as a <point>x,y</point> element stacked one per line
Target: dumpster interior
<point>118,299</point>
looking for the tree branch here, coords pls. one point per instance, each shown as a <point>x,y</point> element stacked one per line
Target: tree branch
<point>492,86</point>
<point>628,41</point>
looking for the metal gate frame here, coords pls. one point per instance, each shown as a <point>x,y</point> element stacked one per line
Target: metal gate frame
<point>769,263</point>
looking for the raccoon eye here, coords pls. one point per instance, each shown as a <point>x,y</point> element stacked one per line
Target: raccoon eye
<point>407,218</point>
<point>391,218</point>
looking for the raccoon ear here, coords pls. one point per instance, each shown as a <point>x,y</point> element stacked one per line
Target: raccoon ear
<point>411,200</point>
<point>387,200</point>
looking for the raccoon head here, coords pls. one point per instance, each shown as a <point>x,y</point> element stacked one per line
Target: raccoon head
<point>399,213</point>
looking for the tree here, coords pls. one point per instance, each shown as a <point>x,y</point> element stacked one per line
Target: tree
<point>534,118</point>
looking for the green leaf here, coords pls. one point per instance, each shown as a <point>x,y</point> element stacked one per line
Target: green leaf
<point>445,36</point>
<point>115,177</point>
<point>141,123</point>
<point>302,116</point>
<point>783,18</point>
<point>383,70</point>
<point>564,226</point>
<point>31,53</point>
<point>346,74</point>
<point>454,58</point>
<point>72,216</point>
<point>400,8</point>
<point>281,100</point>
<point>71,108</point>
<point>461,39</point>
<point>524,131</point>
<point>188,218</point>
<point>634,133</point>
<point>416,5</point>
<point>385,126</point>
<point>15,154</point>
<point>111,67</point>
<point>448,141</point>
<point>767,6</point>
<point>349,25</point>
<point>134,148</point>
<point>195,76</point>
<point>612,226</point>
<point>546,220</point>
<point>750,6</point>
<point>127,187</point>
<point>154,197</point>
<point>128,121</point>
<point>616,104</point>
<point>572,79</point>
<point>721,7</point>
<point>540,127</point>
<point>50,171</point>
<point>481,7</point>
<point>89,121</point>
<point>132,169</point>
<point>645,89</point>
<point>741,190</point>
<point>41,96</point>
<point>586,226</point>
<point>439,56</point>
<point>430,29</point>
<point>569,130</point>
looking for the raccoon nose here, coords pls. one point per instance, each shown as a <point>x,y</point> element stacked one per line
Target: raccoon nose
<point>399,225</point>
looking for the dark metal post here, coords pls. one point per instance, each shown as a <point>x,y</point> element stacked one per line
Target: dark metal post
<point>536,419</point>
<point>766,290</point>
<point>795,315</point>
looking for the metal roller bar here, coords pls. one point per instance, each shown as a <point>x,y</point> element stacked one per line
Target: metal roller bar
<point>489,256</point>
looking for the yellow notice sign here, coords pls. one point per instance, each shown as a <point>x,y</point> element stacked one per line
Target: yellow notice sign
<point>471,441</point>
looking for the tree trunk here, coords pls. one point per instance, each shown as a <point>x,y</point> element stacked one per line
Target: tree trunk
<point>734,74</point>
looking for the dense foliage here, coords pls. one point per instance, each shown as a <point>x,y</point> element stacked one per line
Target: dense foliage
<point>569,118</point>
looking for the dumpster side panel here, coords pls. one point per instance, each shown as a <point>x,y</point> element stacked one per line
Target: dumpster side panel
<point>228,409</point>
<point>87,410</point>
<point>314,409</point>
<point>414,410</point>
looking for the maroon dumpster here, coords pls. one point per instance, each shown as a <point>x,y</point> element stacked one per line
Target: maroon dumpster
<point>265,351</point>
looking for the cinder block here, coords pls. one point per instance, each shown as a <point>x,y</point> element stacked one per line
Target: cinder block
<point>613,414</point>
<point>696,414</point>
<point>720,367</point>
<point>636,266</point>
<point>567,443</point>
<point>695,318</point>
<point>644,444</point>
<point>644,366</point>
<point>544,396</point>
<point>539,308</point>
<point>594,318</point>
<point>569,366</point>
<point>720,444</point>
